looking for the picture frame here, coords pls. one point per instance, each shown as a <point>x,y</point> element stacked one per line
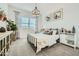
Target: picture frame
<point>58,14</point>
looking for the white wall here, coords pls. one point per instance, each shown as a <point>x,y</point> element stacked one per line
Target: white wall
<point>70,18</point>
<point>11,13</point>
<point>4,6</point>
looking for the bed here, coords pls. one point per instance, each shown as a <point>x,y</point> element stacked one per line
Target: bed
<point>41,40</point>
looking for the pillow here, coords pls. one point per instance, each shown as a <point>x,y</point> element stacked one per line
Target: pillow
<point>48,32</point>
<point>54,32</point>
<point>57,32</point>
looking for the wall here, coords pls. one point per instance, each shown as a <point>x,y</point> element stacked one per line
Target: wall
<point>11,12</point>
<point>4,6</point>
<point>70,18</point>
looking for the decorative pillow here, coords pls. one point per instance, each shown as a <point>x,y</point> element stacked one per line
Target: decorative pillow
<point>48,32</point>
<point>51,32</point>
<point>57,32</point>
<point>54,32</point>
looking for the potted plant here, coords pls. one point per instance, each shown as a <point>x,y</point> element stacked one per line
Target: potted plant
<point>12,27</point>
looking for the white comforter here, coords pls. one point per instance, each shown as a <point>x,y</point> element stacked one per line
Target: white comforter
<point>44,40</point>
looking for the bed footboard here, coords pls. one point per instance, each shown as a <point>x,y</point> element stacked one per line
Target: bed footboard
<point>33,42</point>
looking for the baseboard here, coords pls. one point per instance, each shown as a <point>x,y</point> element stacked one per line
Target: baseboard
<point>69,46</point>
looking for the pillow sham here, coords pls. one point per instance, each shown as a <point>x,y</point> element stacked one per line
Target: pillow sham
<point>48,32</point>
<point>54,32</point>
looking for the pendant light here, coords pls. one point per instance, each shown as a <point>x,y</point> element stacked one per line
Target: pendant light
<point>36,12</point>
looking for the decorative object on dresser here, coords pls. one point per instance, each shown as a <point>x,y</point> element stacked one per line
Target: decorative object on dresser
<point>65,31</point>
<point>73,29</point>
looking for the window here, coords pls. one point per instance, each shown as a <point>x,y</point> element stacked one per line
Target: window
<point>27,22</point>
<point>24,22</point>
<point>32,22</point>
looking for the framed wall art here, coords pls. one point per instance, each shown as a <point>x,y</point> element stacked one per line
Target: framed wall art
<point>58,14</point>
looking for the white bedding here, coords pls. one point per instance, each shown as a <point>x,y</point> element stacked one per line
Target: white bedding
<point>43,40</point>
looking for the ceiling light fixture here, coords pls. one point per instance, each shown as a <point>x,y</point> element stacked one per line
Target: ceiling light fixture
<point>36,12</point>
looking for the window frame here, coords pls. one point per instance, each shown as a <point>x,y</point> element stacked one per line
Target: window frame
<point>29,24</point>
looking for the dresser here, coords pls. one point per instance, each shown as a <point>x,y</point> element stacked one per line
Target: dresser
<point>5,41</point>
<point>68,39</point>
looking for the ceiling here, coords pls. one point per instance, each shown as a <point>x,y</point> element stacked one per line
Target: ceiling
<point>43,7</point>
